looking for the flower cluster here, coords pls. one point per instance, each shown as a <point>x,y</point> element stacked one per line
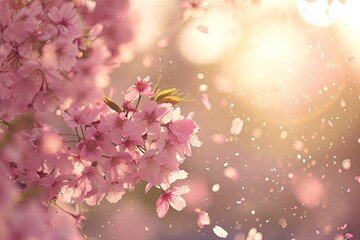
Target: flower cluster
<point>30,219</point>
<point>57,55</point>
<point>54,53</point>
<point>110,150</point>
<point>118,147</point>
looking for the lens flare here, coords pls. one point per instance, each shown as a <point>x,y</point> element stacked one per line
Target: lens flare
<point>206,40</point>
<point>267,67</point>
<point>151,16</point>
<point>319,13</point>
<point>310,192</point>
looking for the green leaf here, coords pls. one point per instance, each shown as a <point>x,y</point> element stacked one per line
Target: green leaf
<point>165,93</point>
<point>86,32</point>
<point>112,104</point>
<point>170,95</point>
<point>30,193</point>
<point>22,121</point>
<point>7,124</point>
<point>170,99</point>
<point>156,88</point>
<point>5,139</point>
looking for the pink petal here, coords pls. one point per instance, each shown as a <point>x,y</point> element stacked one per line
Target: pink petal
<point>206,102</point>
<point>148,187</point>
<point>343,227</point>
<point>115,195</point>
<point>236,126</point>
<point>231,173</point>
<point>203,219</point>
<point>181,174</point>
<point>178,203</point>
<point>162,206</point>
<point>220,232</point>
<point>69,120</point>
<point>131,94</point>
<point>180,190</point>
<point>203,29</point>
<point>357,178</point>
<point>349,236</point>
<point>146,79</point>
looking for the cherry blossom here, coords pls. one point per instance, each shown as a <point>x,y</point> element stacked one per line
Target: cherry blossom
<point>193,8</point>
<point>140,88</point>
<point>151,117</point>
<point>55,62</point>
<point>171,197</point>
<point>203,218</point>
<point>66,17</point>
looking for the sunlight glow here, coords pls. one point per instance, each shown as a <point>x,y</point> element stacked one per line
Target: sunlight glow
<point>319,13</point>
<point>310,192</point>
<point>221,36</point>
<point>151,21</point>
<point>270,59</point>
<point>348,27</point>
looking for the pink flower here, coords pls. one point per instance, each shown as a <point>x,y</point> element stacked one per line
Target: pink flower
<point>102,137</point>
<point>156,168</point>
<point>120,125</point>
<point>114,192</point>
<point>66,17</point>
<point>117,166</point>
<point>182,133</point>
<point>203,218</point>
<point>193,8</point>
<point>45,101</point>
<point>88,187</point>
<point>25,22</point>
<point>90,149</point>
<point>48,31</point>
<point>5,13</point>
<point>60,54</point>
<point>171,197</point>
<point>79,115</point>
<point>349,236</point>
<point>141,87</point>
<point>151,116</point>
<point>181,130</point>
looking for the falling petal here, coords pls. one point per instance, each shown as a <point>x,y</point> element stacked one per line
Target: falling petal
<point>231,173</point>
<point>349,236</point>
<point>220,232</point>
<point>236,126</point>
<point>298,145</point>
<point>203,29</point>
<point>357,178</point>
<point>330,123</point>
<point>215,187</point>
<point>203,218</point>
<point>343,227</point>
<point>346,164</point>
<point>206,102</point>
<point>218,138</point>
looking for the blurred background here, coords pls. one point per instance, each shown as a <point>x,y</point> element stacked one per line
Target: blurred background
<point>274,85</point>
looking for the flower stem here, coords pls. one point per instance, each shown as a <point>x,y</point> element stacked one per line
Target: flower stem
<point>82,132</point>
<point>77,134</point>
<point>137,104</point>
<point>62,209</point>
